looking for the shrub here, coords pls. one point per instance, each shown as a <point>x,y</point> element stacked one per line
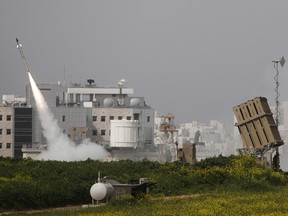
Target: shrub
<point>44,184</point>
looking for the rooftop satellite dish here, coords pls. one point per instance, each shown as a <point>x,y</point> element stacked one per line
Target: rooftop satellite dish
<point>122,82</point>
<point>282,61</point>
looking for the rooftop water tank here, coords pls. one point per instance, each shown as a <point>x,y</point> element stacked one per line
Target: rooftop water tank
<point>124,133</point>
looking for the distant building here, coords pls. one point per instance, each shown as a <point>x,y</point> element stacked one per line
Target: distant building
<point>210,139</point>
<point>165,137</point>
<point>88,111</point>
<point>109,116</point>
<point>15,126</point>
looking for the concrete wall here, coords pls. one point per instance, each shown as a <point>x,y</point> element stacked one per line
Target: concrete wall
<point>7,140</point>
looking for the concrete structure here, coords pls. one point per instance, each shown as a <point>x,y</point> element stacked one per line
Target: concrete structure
<point>98,113</point>
<point>124,133</point>
<point>111,116</point>
<point>15,126</point>
<point>187,154</point>
<point>6,129</point>
<point>77,107</point>
<point>165,137</point>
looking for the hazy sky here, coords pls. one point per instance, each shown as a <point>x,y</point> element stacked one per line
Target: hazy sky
<point>195,59</point>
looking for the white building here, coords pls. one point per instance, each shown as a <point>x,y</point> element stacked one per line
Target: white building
<point>209,138</point>
<point>110,116</point>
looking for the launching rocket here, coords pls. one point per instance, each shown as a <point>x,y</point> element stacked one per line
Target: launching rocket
<point>19,47</point>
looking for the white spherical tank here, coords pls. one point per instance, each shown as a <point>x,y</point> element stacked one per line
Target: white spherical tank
<point>108,102</point>
<point>124,133</point>
<point>135,102</point>
<point>100,191</point>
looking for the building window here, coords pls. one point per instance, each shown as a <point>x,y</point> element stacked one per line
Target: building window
<point>128,118</point>
<point>94,118</point>
<point>136,116</point>
<point>0,117</point>
<point>0,145</point>
<point>8,131</point>
<point>120,117</point>
<point>103,118</point>
<point>148,118</point>
<point>109,132</point>
<point>8,145</point>
<point>103,132</point>
<point>94,132</point>
<point>63,118</point>
<point>0,131</point>
<point>111,118</point>
<point>8,117</point>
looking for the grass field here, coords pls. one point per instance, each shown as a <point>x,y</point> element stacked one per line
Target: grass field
<point>220,201</point>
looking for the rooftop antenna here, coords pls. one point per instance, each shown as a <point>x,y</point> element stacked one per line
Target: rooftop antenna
<point>64,75</point>
<point>121,83</point>
<point>277,112</point>
<point>99,177</point>
<point>19,47</point>
<point>276,66</point>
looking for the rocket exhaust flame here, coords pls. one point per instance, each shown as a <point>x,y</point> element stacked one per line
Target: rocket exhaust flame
<point>60,147</point>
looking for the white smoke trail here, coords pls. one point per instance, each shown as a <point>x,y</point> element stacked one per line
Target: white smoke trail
<point>60,147</point>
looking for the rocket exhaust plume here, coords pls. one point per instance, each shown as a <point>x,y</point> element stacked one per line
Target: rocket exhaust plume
<point>60,147</point>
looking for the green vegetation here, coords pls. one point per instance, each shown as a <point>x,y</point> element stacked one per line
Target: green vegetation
<point>220,202</point>
<point>217,186</point>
